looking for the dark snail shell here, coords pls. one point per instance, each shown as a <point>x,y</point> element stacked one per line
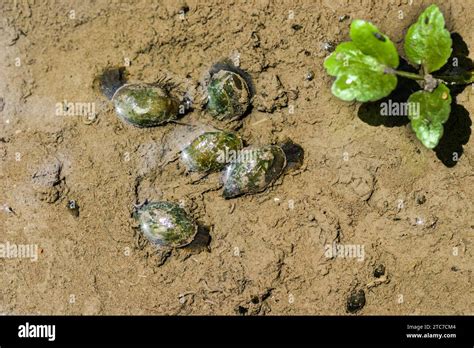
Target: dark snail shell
<point>211,151</point>
<point>145,105</point>
<point>166,224</point>
<point>254,171</point>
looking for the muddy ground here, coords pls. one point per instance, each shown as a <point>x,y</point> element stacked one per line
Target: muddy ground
<point>365,181</point>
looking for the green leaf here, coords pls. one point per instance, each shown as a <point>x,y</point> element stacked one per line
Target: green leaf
<point>427,41</point>
<point>427,113</point>
<point>360,66</point>
<point>372,42</point>
<point>359,76</point>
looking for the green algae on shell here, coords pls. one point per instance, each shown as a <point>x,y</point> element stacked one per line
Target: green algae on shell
<point>228,95</point>
<point>211,151</point>
<point>254,170</point>
<point>145,105</point>
<point>166,224</point>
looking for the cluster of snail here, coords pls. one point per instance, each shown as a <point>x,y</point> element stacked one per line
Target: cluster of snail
<point>228,95</point>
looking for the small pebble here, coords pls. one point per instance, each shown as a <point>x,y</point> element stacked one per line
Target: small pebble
<point>296,27</point>
<point>328,46</point>
<point>343,18</point>
<point>419,221</point>
<point>309,76</point>
<point>355,301</point>
<point>379,271</point>
<point>420,198</point>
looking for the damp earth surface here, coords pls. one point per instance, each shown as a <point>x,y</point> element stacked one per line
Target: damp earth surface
<point>367,193</point>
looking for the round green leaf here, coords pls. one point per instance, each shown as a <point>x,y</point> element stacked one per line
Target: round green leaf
<point>427,113</point>
<point>359,76</point>
<point>427,41</point>
<point>372,42</point>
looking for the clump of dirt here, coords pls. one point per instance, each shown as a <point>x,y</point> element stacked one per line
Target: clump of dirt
<point>367,193</point>
<point>48,182</point>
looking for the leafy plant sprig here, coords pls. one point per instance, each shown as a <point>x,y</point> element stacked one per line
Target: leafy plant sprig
<point>366,70</point>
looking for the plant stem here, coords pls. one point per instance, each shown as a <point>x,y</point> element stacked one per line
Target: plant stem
<point>454,79</point>
<point>407,74</point>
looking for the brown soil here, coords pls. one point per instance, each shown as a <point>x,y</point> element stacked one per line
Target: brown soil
<point>360,183</point>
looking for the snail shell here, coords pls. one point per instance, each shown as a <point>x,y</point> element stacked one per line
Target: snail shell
<point>211,151</point>
<point>166,224</point>
<point>145,105</point>
<point>228,95</point>
<point>254,171</point>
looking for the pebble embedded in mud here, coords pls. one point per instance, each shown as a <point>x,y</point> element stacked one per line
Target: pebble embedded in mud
<point>309,76</point>
<point>343,18</point>
<point>328,46</point>
<point>420,198</point>
<point>296,27</point>
<point>355,301</point>
<point>379,271</point>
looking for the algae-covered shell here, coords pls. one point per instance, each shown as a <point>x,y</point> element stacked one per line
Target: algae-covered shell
<point>145,105</point>
<point>254,170</point>
<point>211,151</point>
<point>166,224</point>
<point>228,95</point>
